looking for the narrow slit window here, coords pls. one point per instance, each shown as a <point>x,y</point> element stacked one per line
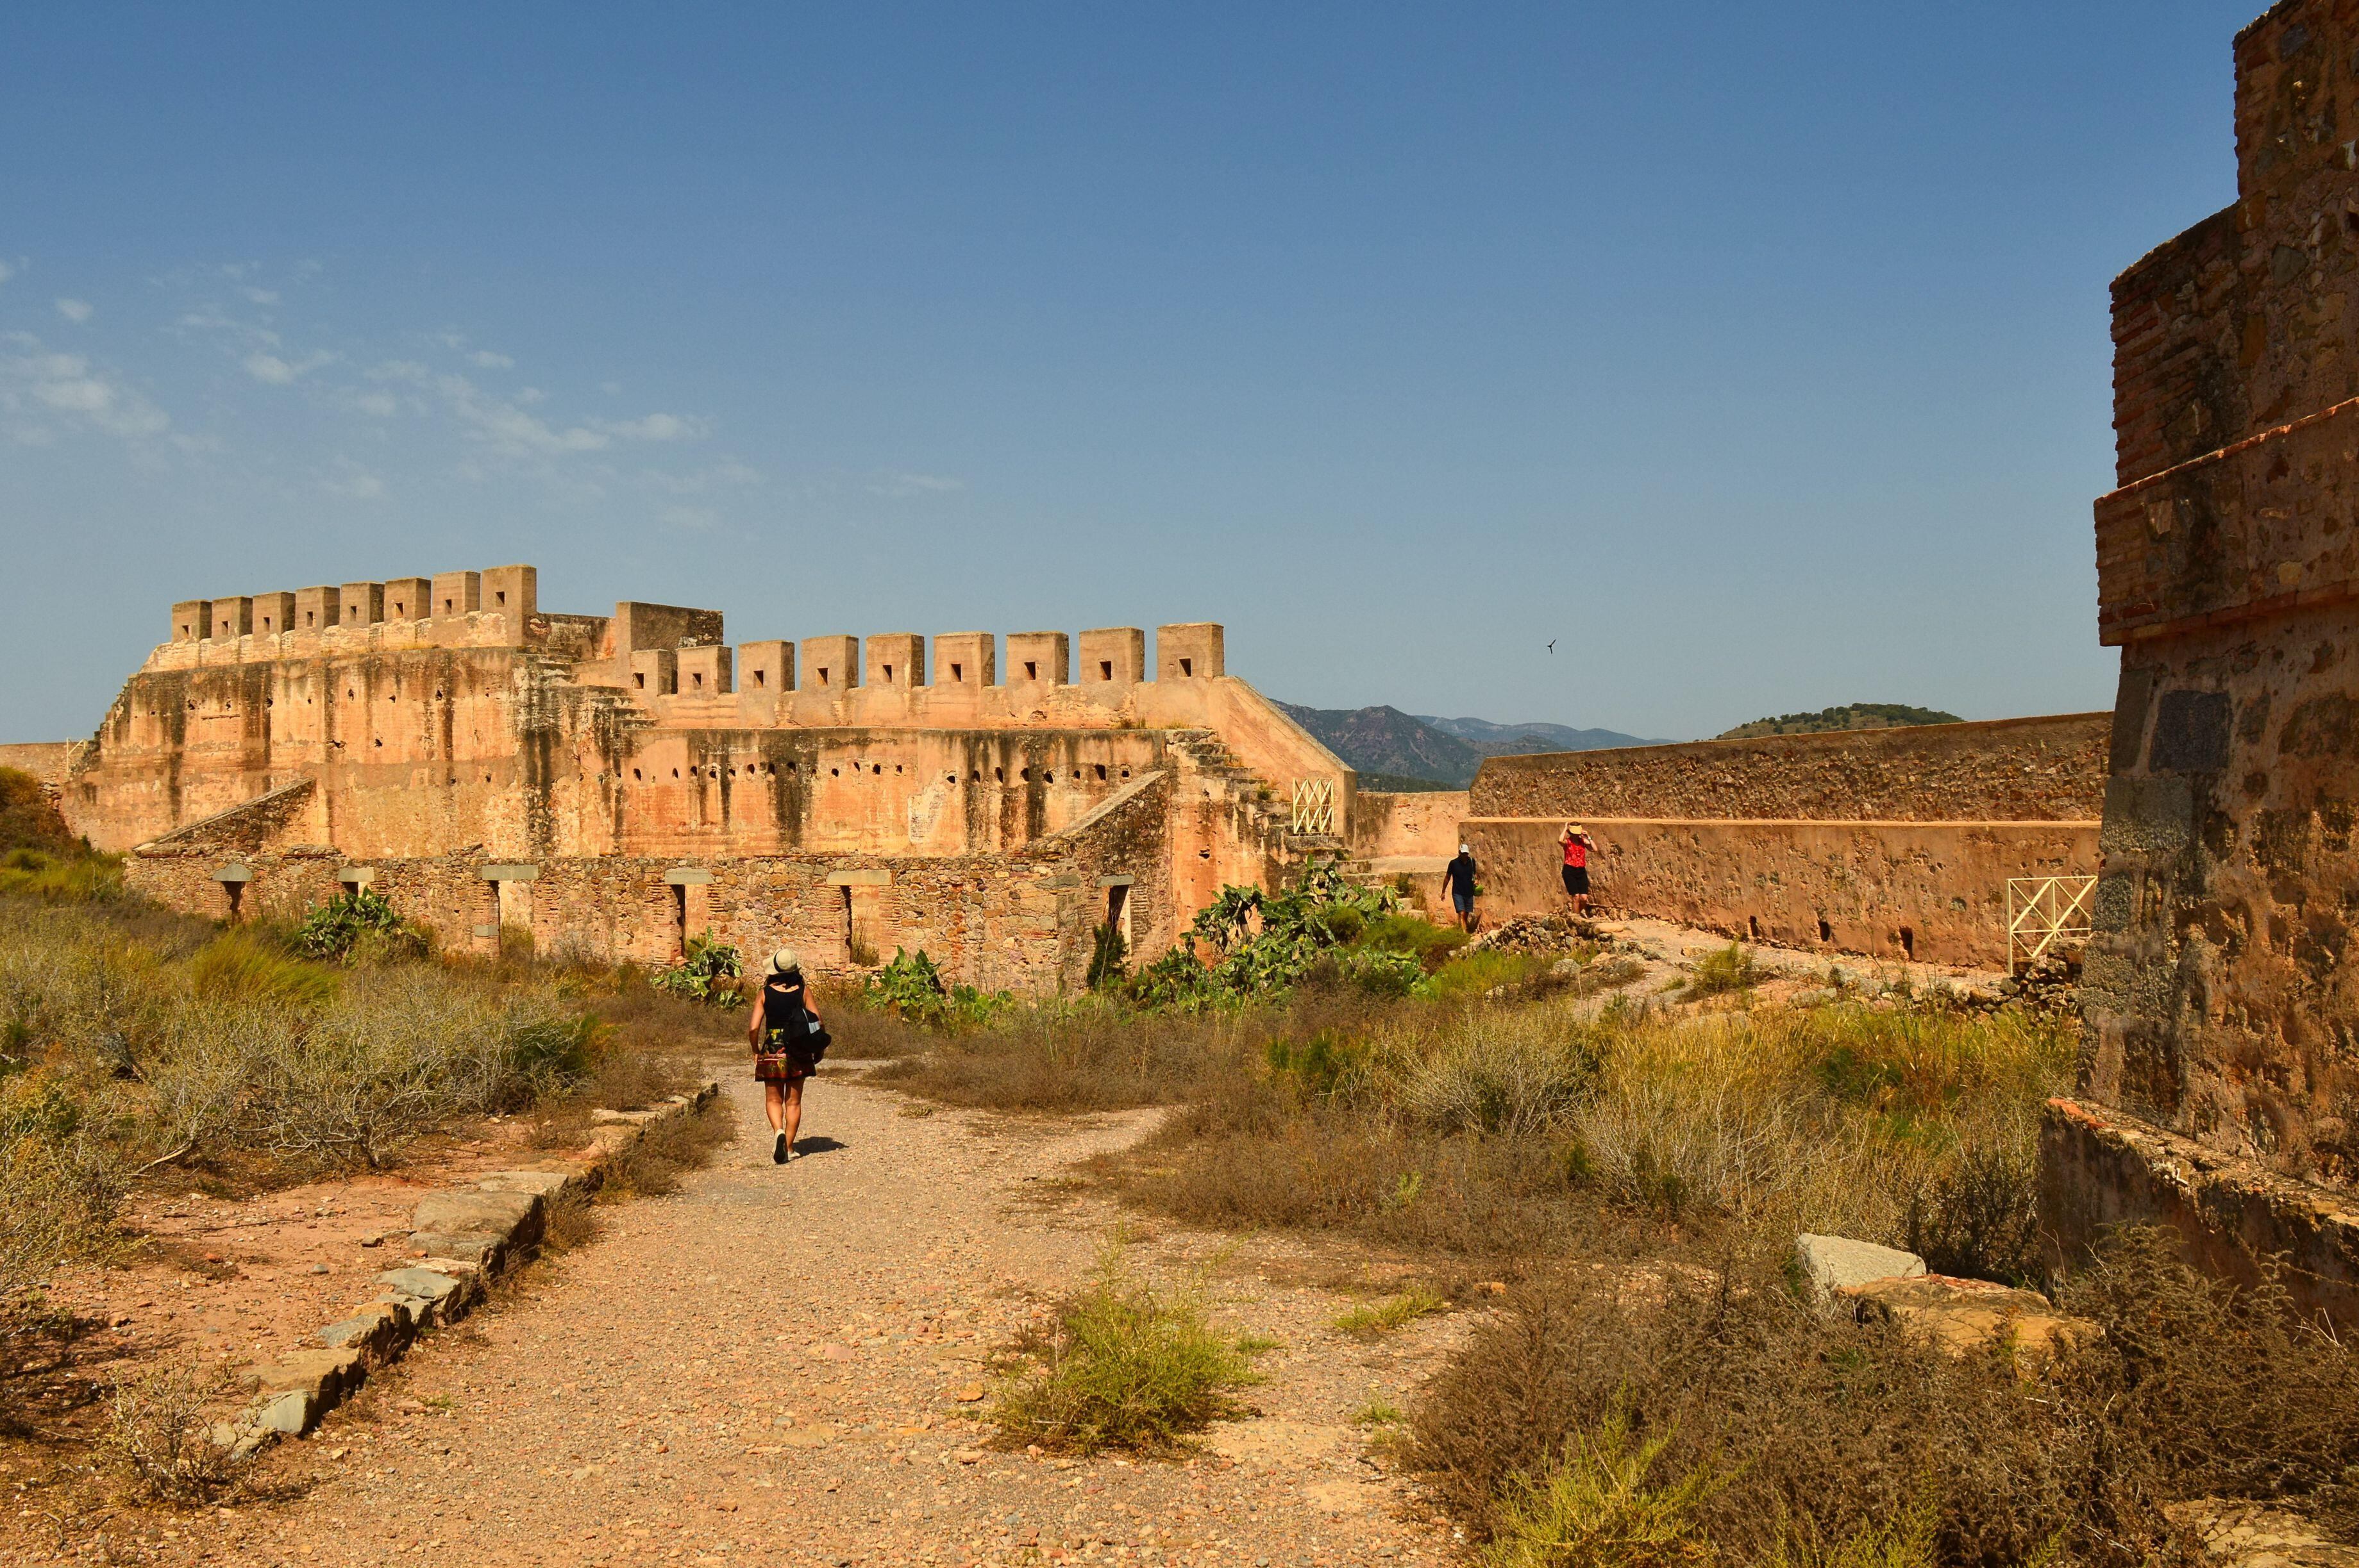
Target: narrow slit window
<point>889,675</point>
<point>761,679</point>
<point>1105,669</point>
<point>958,672</point>
<point>1187,666</point>
<point>1031,670</point>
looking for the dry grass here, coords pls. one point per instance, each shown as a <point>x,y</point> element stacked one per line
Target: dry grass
<point>158,1440</point>
<point>1828,1439</point>
<point>654,1162</point>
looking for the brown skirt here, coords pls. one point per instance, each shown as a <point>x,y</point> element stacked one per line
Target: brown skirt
<point>781,1068</point>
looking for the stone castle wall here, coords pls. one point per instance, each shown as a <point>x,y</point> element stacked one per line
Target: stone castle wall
<point>2223,981</point>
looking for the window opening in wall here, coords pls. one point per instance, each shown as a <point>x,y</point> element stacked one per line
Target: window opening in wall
<point>639,679</point>
<point>878,769</point>
<point>1187,666</point>
<point>889,675</point>
<point>400,610</point>
<point>1118,910</point>
<point>897,768</point>
<point>835,773</point>
<point>237,892</point>
<point>1908,941</point>
<point>1105,669</point>
<point>1028,775</point>
<point>823,674</point>
<point>635,772</point>
<point>1031,670</point>
<point>958,672</point>
<point>1753,925</point>
<point>696,677</point>
<point>999,776</point>
<point>449,605</point>
<point>310,617</point>
<point>266,623</point>
<point>500,598</point>
<point>761,679</point>
<point>1125,773</point>
<point>679,919</point>
<point>1826,931</point>
<point>1100,772</point>
<point>843,920</point>
<point>675,772</point>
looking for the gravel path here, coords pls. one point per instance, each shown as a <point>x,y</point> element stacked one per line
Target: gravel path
<point>767,1368</point>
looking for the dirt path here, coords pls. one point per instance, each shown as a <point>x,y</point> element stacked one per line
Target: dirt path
<point>764,1368</point>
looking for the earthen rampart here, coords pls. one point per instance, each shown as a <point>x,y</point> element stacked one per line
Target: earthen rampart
<point>2032,770</point>
<point>1893,843</point>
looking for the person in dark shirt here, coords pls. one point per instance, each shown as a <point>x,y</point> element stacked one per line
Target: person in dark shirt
<point>1460,875</point>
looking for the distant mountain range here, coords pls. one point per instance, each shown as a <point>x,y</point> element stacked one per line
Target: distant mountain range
<point>1396,750</point>
<point>1850,716</point>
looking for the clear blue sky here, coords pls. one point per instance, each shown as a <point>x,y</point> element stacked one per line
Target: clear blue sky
<point>1755,355</point>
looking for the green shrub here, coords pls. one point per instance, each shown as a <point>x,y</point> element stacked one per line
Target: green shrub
<point>1109,959</point>
<point>1607,1501</point>
<point>708,972</point>
<point>332,929</point>
<point>61,879</point>
<point>1730,969</point>
<point>912,987</point>
<point>1125,1367</point>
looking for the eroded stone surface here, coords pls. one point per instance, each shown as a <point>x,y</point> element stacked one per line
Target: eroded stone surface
<point>1831,1263</point>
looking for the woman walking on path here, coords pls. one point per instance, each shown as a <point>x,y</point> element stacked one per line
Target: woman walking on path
<point>1575,839</point>
<point>780,1031</point>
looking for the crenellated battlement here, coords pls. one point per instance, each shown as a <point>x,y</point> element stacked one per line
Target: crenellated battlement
<point>669,650</point>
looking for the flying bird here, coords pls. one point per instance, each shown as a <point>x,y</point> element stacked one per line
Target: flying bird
<point>1551,645</point>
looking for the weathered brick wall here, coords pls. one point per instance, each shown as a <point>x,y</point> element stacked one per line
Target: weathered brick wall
<point>2032,770</point>
<point>1022,921</point>
<point>1931,891</point>
<point>1388,825</point>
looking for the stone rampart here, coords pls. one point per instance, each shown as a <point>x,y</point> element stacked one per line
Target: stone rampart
<point>2032,770</point>
<point>1935,892</point>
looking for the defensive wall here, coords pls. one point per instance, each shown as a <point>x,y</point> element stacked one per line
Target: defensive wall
<point>615,784</point>
<point>2222,986</point>
<point>1895,843</point>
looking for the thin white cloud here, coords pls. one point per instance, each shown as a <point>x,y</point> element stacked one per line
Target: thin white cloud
<point>701,481</point>
<point>376,405</point>
<point>41,391</point>
<point>260,295</point>
<point>655,428</point>
<point>907,484</point>
<point>611,388</point>
<point>76,310</point>
<point>354,482</point>
<point>6,272</point>
<point>277,371</point>
<point>691,519</point>
<point>487,360</point>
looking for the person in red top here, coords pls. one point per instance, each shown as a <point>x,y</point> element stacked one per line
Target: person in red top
<point>1576,842</point>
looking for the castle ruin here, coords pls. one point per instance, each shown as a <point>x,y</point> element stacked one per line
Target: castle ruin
<point>617,784</point>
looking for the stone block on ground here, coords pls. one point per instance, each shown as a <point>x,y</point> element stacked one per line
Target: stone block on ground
<point>465,1212</point>
<point>603,1117</point>
<point>290,1415</point>
<point>322,1378</point>
<point>2238,1534</point>
<point>435,1297</point>
<point>1831,1263</point>
<point>1966,1316</point>
<point>377,1331</point>
<point>545,1183</point>
<point>479,1251</point>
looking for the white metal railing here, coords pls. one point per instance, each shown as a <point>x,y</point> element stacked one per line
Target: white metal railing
<point>2042,912</point>
<point>1314,806</point>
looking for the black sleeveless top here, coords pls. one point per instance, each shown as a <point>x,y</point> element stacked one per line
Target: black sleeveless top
<point>782,1009</point>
